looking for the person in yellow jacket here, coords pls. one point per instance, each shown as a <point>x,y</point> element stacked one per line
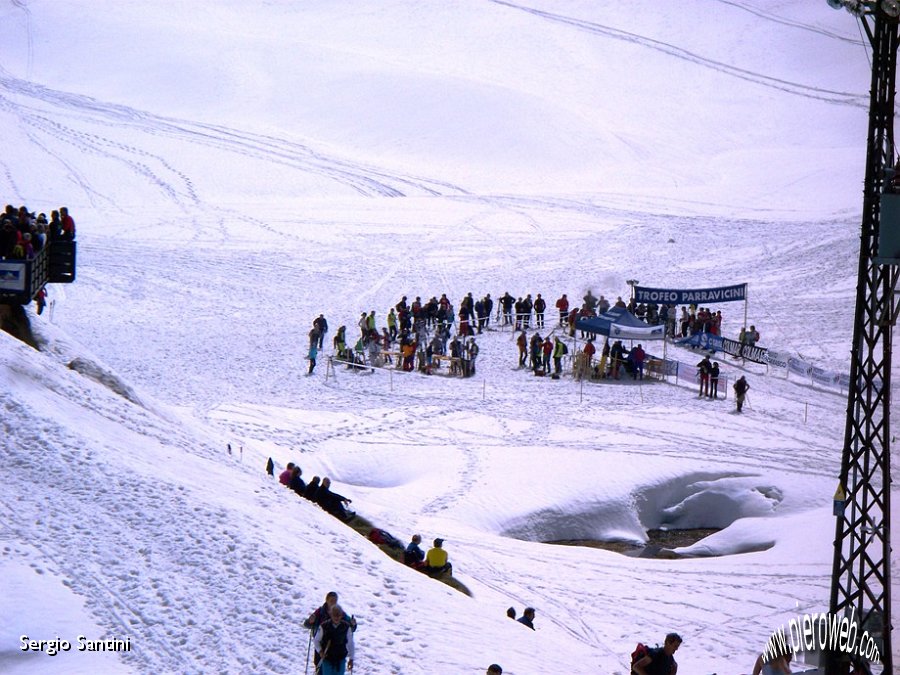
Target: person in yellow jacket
<point>436,559</point>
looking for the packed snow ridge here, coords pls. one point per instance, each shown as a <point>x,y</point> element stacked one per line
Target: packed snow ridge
<point>253,165</point>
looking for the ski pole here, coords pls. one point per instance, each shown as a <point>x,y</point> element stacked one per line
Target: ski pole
<point>322,656</point>
<point>308,646</point>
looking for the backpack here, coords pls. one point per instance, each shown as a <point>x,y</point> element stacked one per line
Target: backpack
<point>379,536</point>
<point>643,650</point>
<point>639,652</point>
<point>565,349</point>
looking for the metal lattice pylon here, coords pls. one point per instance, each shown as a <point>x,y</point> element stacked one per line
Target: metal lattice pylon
<point>861,574</point>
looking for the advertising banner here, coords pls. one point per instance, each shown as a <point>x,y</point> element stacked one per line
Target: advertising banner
<point>697,296</point>
<point>777,359</point>
<point>799,367</point>
<point>12,276</point>
<point>829,379</point>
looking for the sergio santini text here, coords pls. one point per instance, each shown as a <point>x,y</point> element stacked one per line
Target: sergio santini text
<point>82,644</point>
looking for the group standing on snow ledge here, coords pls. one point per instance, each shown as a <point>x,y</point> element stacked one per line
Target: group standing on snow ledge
<point>426,336</point>
<point>24,234</point>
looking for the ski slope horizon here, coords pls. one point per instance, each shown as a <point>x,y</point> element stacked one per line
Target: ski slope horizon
<point>255,164</point>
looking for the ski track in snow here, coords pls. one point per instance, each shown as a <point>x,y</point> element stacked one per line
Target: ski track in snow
<point>770,16</point>
<point>213,319</point>
<point>796,88</point>
<point>363,180</point>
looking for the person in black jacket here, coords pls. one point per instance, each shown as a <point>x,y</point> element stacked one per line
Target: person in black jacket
<point>704,368</point>
<point>714,380</point>
<point>740,390</point>
<point>334,642</point>
<point>321,325</point>
<point>414,556</point>
<point>297,484</point>
<point>333,502</point>
<point>507,302</point>
<point>539,306</point>
<point>312,490</point>
<point>660,661</point>
<point>323,615</point>
<point>527,618</point>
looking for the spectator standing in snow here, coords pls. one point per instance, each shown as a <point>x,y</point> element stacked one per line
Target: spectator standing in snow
<point>321,325</point>
<point>392,324</point>
<point>363,324</point>
<point>535,348</point>
<point>740,390</point>
<point>472,350</point>
<point>703,369</point>
<point>589,351</point>
<point>313,352</point>
<point>714,380</point>
<point>68,223</point>
<point>563,306</point>
<point>547,349</point>
<point>340,342</point>
<point>559,350</point>
<point>602,305</point>
<point>540,305</point>
<point>507,302</point>
<point>616,354</point>
<point>522,343</point>
<point>604,360</point>
<point>638,355</point>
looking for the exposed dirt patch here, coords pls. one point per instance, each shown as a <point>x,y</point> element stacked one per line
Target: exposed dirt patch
<point>660,543</point>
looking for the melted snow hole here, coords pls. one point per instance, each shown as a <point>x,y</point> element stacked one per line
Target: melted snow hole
<point>689,517</point>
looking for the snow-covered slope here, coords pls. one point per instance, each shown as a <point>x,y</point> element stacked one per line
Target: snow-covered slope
<point>237,168</point>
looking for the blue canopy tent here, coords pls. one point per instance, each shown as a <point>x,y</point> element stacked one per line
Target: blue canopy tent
<point>620,324</point>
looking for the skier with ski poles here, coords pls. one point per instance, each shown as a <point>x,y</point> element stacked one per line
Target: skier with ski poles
<point>323,614</point>
<point>337,637</point>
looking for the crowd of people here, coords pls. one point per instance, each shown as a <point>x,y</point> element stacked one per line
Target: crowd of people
<point>331,629</point>
<point>420,335</point>
<point>23,234</point>
<point>423,335</point>
<point>317,491</point>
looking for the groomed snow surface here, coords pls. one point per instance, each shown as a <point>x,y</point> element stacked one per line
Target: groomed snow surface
<point>236,168</point>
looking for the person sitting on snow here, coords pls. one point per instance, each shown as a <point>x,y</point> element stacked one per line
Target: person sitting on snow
<point>436,560</point>
<point>333,502</point>
<point>414,556</point>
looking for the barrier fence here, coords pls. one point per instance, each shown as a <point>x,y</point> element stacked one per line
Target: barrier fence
<point>670,371</point>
